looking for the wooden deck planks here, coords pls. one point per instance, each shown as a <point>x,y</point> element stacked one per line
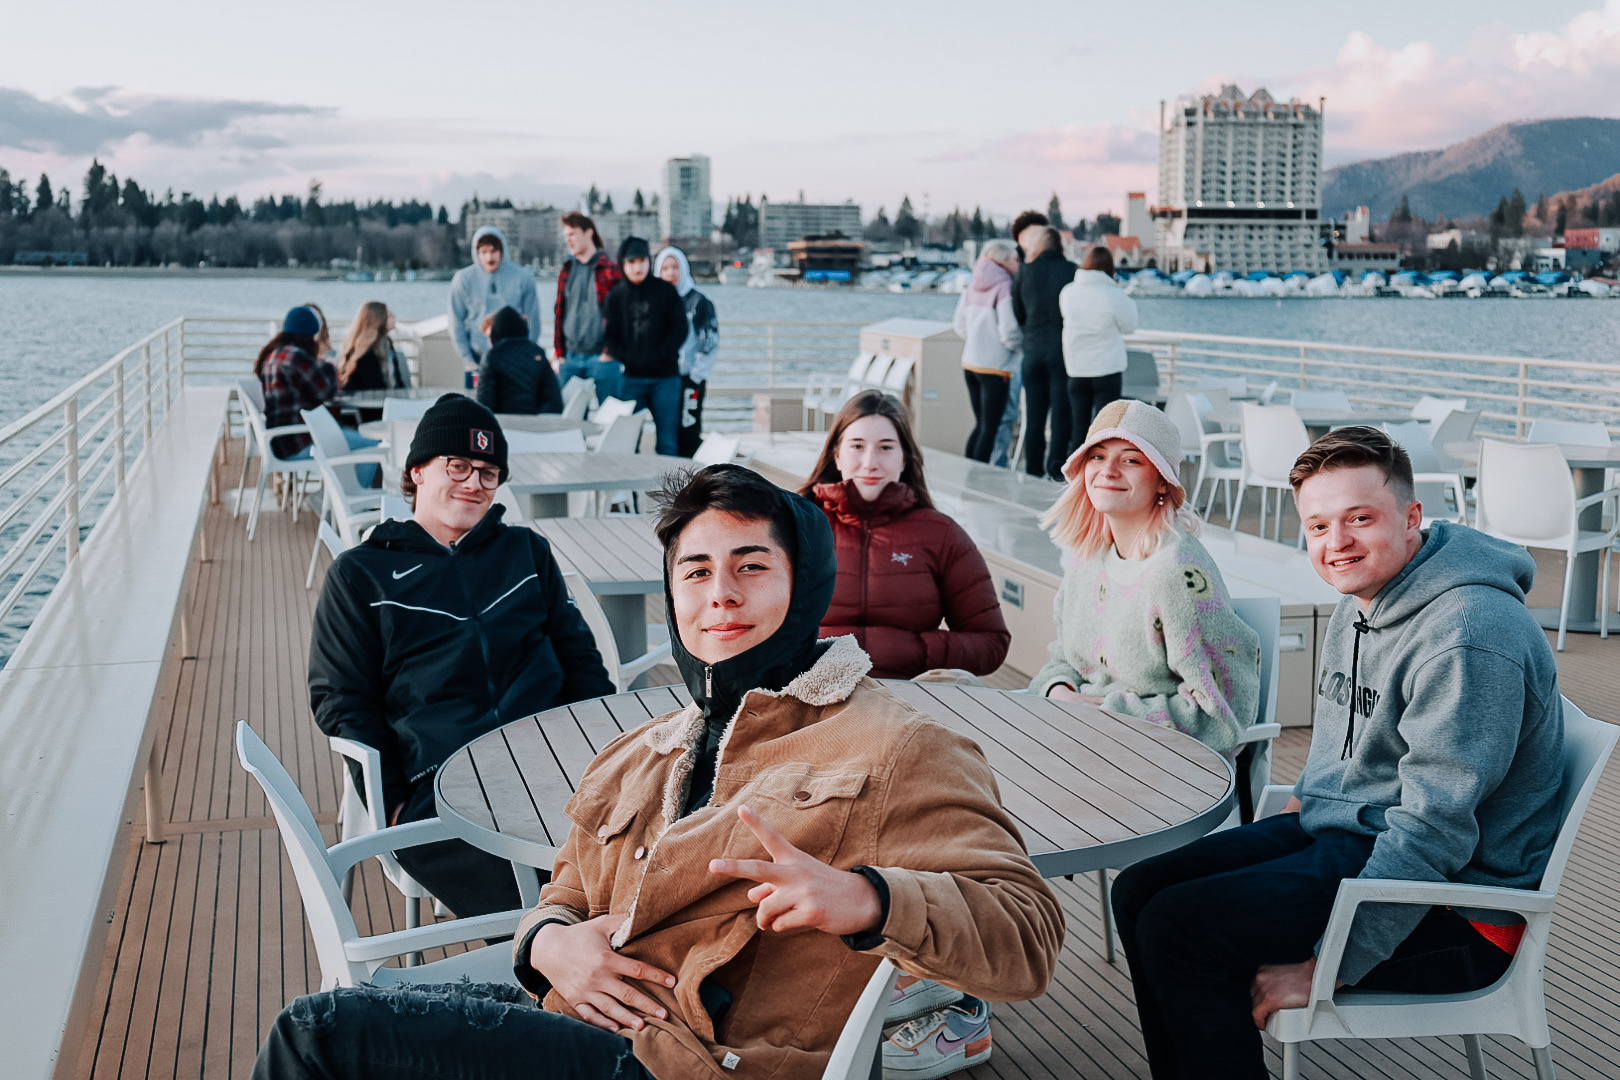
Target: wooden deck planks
<point>208,940</point>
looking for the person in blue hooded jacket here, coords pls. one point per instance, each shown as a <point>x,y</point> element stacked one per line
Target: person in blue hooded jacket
<point>1437,755</point>
<point>699,350</point>
<point>492,282</point>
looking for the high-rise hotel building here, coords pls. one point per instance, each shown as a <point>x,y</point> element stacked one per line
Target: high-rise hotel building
<point>1240,185</point>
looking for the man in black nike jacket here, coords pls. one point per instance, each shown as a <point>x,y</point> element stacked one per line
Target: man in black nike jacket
<point>442,628</point>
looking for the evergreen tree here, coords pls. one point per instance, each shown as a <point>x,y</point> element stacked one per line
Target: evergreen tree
<point>638,204</point>
<point>7,197</point>
<point>879,230</point>
<point>607,203</point>
<point>955,229</point>
<point>906,225</point>
<point>44,197</point>
<point>1107,225</point>
<point>1054,213</point>
<point>1543,215</point>
<point>977,226</point>
<point>1515,218</point>
<point>1403,213</point>
<point>314,213</point>
<point>444,215</point>
<point>593,200</point>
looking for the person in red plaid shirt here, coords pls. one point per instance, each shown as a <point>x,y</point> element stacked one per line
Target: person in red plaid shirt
<point>294,378</point>
<point>578,321</point>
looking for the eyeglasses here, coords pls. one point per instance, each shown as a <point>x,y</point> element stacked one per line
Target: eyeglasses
<point>458,469</point>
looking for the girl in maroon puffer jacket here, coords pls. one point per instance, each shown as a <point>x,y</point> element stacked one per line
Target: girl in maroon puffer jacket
<point>903,567</point>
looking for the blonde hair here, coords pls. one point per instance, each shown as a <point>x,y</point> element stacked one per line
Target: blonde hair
<point>369,326</point>
<point>1073,522</point>
<point>1000,249</point>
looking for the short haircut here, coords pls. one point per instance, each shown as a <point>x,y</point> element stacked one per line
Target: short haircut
<point>1000,249</point>
<point>490,240</point>
<point>1351,448</point>
<point>1099,258</point>
<point>730,489</point>
<point>1026,219</point>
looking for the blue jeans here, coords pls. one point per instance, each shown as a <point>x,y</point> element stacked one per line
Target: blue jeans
<point>366,474</point>
<point>477,1031</point>
<point>663,398</point>
<point>1198,922</point>
<point>607,373</point>
<point>1009,417</point>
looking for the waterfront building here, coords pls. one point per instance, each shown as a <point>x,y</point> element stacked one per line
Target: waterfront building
<point>1128,252</point>
<point>826,258</point>
<point>781,223</point>
<point>1240,184</point>
<point>533,232</point>
<point>1605,240</point>
<point>615,225</point>
<point>1138,220</point>
<point>686,211</point>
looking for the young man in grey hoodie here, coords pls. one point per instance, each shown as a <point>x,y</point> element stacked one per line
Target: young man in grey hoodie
<point>492,282</point>
<point>1436,756</point>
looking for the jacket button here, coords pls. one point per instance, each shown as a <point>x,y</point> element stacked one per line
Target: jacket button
<point>602,833</point>
<point>800,796</point>
<point>641,852</point>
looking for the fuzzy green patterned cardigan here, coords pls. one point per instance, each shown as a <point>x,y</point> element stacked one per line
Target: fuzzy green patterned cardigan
<point>1157,639</point>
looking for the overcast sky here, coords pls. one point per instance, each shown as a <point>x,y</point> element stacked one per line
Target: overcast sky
<point>965,104</point>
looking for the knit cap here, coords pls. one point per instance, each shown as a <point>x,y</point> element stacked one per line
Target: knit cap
<point>508,323</point>
<point>1139,424</point>
<point>458,426</point>
<point>634,247</point>
<point>302,321</point>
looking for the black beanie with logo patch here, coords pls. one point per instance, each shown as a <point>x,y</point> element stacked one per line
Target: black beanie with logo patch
<point>458,426</point>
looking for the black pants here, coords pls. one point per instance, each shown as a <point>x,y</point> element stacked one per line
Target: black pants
<point>689,432</point>
<point>988,396</point>
<point>460,1031</point>
<point>1198,922</point>
<point>1087,396</point>
<point>1046,392</point>
<point>468,881</point>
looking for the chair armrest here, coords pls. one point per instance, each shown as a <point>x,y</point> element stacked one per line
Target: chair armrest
<point>385,841</point>
<point>1353,892</point>
<point>1272,800</point>
<point>360,457</point>
<point>1260,733</point>
<point>1208,438</point>
<point>287,429</point>
<point>417,939</point>
<point>1596,497</point>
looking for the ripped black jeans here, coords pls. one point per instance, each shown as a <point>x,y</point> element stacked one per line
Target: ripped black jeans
<point>463,1031</point>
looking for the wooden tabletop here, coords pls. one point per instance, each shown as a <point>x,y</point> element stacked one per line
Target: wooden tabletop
<point>614,555</point>
<point>1088,789</point>
<point>553,473</point>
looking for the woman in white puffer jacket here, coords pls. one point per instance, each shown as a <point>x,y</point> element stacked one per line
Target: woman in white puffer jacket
<point>993,343</point>
<point>1096,317</point>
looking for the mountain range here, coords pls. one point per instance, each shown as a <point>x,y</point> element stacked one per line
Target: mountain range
<point>1467,178</point>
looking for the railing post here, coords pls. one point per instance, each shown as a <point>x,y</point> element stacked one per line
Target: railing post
<point>168,391</point>
<point>70,477</point>
<point>1174,356</point>
<point>146,386</point>
<point>770,355</point>
<point>118,427</point>
<point>1304,380</point>
<point>1520,416</point>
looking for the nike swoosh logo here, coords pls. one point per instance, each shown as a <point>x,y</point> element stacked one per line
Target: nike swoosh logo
<point>946,1046</point>
<point>408,573</point>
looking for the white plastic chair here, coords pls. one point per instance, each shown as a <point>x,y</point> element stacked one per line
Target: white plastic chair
<point>716,449</point>
<point>396,508</point>
<point>1457,426</point>
<point>577,396</point>
<point>1526,496</point>
<point>405,408</point>
<point>827,396</point>
<point>1515,1005</point>
<point>1235,385</point>
<point>876,372</point>
<point>249,395</point>
<point>325,537</point>
<point>1431,484</point>
<point>1432,410</point>
<point>896,378</point>
<point>346,958</point>
<point>1273,438</point>
<point>855,1053</point>
<point>1216,463</point>
<point>1569,433</point>
<point>296,469</point>
<point>327,434</point>
<point>1141,379</point>
<point>1319,399</point>
<point>1263,615</point>
<point>620,673</point>
<point>610,410</point>
<point>348,519</point>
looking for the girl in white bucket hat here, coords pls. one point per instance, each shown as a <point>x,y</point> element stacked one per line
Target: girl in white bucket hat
<point>1144,623</point>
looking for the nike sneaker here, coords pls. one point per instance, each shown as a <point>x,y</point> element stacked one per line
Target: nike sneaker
<point>913,996</point>
<point>940,1043</point>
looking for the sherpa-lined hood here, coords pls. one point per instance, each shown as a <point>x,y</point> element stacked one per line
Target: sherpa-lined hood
<point>718,689</point>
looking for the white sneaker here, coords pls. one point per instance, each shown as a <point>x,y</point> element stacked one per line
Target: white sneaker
<point>945,1041</point>
<point>913,996</point>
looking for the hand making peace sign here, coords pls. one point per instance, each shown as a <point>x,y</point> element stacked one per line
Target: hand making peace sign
<point>798,890</point>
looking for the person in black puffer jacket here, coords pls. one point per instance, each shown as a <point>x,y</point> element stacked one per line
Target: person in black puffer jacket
<point>1046,383</point>
<point>515,376</point>
<point>645,329</point>
<point>439,629</point>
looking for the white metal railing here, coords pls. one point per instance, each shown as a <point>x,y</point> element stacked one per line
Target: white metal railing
<point>61,463</point>
<point>1511,390</point>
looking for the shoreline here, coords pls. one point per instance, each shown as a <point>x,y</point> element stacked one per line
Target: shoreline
<point>300,273</point>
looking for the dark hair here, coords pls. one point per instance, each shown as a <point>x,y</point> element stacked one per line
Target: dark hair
<point>491,240</point>
<point>1351,448</point>
<point>731,489</point>
<point>1026,219</point>
<point>281,340</point>
<point>1099,258</point>
<point>576,220</point>
<point>871,403</point>
<point>407,487</point>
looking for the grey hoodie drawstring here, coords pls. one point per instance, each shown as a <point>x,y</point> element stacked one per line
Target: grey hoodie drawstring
<point>1361,626</point>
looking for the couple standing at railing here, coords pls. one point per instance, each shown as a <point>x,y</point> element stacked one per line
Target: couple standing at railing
<point>1034,322</point>
<point>636,325</point>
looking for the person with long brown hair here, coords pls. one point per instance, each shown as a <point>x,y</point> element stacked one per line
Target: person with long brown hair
<point>1096,317</point>
<point>294,377</point>
<point>903,566</point>
<point>1144,623</point>
<point>369,360</point>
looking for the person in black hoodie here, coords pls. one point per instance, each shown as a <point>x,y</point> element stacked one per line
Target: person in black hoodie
<point>1046,383</point>
<point>515,376</point>
<point>439,629</point>
<point>645,328</point>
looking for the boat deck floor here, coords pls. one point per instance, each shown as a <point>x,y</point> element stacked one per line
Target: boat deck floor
<point>207,939</point>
